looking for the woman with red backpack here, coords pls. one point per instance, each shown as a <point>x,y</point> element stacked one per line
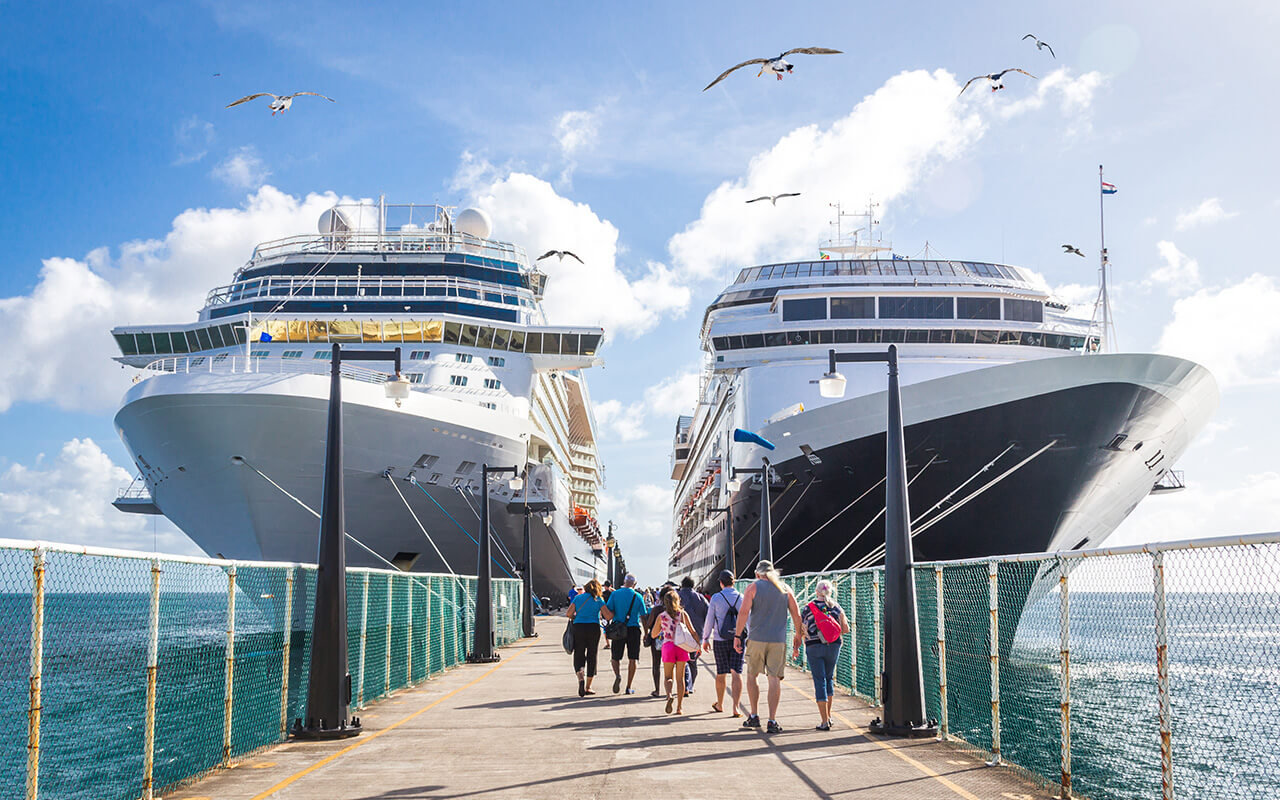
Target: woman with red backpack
<point>824,623</point>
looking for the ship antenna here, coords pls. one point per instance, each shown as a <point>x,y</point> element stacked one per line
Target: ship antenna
<point>1102,306</point>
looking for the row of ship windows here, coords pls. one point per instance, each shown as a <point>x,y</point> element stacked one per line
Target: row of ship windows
<point>368,287</point>
<point>1058,341</point>
<point>356,331</point>
<point>911,308</point>
<point>896,266</point>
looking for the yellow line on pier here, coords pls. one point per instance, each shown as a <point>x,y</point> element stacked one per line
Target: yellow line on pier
<point>363,740</point>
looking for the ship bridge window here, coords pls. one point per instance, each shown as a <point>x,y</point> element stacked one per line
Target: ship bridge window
<point>978,307</point>
<point>853,308</point>
<point>590,341</point>
<point>146,345</point>
<point>807,308</point>
<point>1024,310</point>
<point>419,355</point>
<point>484,338</point>
<point>128,346</point>
<point>468,337</point>
<point>917,308</point>
<point>551,343</point>
<point>517,341</point>
<point>500,338</point>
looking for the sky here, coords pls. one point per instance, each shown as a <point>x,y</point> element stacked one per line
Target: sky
<point>129,191</point>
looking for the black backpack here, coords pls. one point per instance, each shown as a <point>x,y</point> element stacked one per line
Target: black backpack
<point>729,624</point>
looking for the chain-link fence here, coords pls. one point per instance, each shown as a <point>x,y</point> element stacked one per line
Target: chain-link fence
<point>1119,673</point>
<point>137,673</point>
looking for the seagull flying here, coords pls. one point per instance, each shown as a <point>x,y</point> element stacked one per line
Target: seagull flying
<point>1039,44</point>
<point>996,83</point>
<point>773,199</point>
<point>1067,248</point>
<point>560,254</point>
<point>778,64</point>
<point>279,102</point>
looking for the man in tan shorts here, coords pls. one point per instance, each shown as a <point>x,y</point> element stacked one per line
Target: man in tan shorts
<point>765,605</point>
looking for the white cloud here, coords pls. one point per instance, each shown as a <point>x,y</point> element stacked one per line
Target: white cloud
<point>1250,505</point>
<point>662,402</point>
<point>243,169</point>
<point>624,422</point>
<point>1074,95</point>
<point>528,211</point>
<point>642,515</point>
<point>68,500</point>
<point>1079,298</point>
<point>576,130</point>
<point>1207,213</point>
<point>192,137</point>
<point>882,148</point>
<point>1247,310</point>
<point>60,333</point>
<point>1178,273</point>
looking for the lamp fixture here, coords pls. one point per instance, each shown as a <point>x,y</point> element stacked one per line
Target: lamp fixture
<point>397,389</point>
<point>832,384</point>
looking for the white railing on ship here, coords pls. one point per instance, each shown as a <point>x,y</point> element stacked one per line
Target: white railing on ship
<point>393,241</point>
<point>232,365</point>
<point>361,287</point>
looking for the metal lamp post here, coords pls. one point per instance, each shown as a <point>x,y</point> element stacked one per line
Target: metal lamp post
<point>524,507</point>
<point>610,569</point>
<point>903,676</point>
<point>766,524</point>
<point>730,562</point>
<point>329,687</point>
<point>482,651</point>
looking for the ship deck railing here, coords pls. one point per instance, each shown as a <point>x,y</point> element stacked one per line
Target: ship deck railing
<point>403,240</point>
<point>358,289</point>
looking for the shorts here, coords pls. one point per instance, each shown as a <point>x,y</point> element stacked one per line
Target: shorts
<point>630,645</point>
<point>727,659</point>
<point>673,653</point>
<point>766,657</point>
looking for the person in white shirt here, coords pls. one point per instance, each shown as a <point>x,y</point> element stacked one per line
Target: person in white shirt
<point>717,636</point>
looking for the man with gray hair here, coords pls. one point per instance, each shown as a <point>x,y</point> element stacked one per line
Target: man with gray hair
<point>627,606</point>
<point>765,605</point>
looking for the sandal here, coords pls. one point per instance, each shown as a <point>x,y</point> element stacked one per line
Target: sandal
<point>716,708</point>
<point>582,687</point>
<point>655,693</point>
<point>671,701</point>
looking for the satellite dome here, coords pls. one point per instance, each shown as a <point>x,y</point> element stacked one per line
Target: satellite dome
<point>473,222</point>
<point>351,217</point>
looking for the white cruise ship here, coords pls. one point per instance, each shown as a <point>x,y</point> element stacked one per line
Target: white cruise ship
<point>227,418</point>
<point>1022,433</point>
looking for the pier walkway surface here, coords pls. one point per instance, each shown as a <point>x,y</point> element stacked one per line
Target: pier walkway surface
<point>517,729</point>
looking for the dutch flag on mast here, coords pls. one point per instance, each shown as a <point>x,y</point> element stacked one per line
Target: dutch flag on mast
<point>1108,188</point>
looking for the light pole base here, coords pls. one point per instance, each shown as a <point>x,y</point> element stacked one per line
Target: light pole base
<point>319,732</point>
<point>908,730</point>
<point>475,658</point>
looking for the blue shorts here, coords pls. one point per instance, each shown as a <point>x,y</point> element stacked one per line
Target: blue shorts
<point>727,659</point>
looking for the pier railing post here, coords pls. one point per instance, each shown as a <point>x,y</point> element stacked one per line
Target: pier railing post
<point>35,699</point>
<point>853,631</point>
<point>364,636</point>
<point>993,597</point>
<point>876,612</point>
<point>408,649</point>
<point>386,672</point>
<point>284,655</point>
<point>1065,648</point>
<point>228,697</point>
<point>1162,679</point>
<point>153,660</point>
<point>944,727</point>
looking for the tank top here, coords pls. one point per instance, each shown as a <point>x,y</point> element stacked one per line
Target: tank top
<point>768,621</point>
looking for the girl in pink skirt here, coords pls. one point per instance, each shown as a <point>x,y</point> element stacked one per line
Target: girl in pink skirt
<point>673,654</point>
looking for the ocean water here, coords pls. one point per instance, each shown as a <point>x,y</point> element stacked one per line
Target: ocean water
<point>1224,674</point>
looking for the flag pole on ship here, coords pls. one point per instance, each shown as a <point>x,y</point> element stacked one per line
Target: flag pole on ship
<point>1103,305</point>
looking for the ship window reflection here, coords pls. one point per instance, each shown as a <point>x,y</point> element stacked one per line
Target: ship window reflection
<point>753,340</point>
<point>569,344</point>
<point>964,337</point>
<point>517,342</point>
<point>978,307</point>
<point>533,343</point>
<point>128,346</point>
<point>853,308</point>
<point>500,338</point>
<point>202,335</point>
<point>452,331</point>
<point>179,342</point>
<point>775,339</point>
<point>802,309</point>
<point>1023,310</point>
<point>468,337</point>
<point>551,343</point>
<point>484,338</point>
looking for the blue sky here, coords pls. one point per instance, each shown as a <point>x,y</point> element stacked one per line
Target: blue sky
<point>583,126</point>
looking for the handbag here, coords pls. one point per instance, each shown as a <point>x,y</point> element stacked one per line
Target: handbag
<point>616,630</point>
<point>568,638</point>
<point>683,639</point>
<point>828,628</point>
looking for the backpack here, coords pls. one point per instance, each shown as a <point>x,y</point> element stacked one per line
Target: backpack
<point>730,622</point>
<point>828,628</point>
<point>616,630</point>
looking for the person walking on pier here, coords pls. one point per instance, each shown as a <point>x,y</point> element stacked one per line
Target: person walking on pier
<point>717,636</point>
<point>654,643</point>
<point>765,605</point>
<point>674,656</point>
<point>584,610</point>
<point>625,606</point>
<point>824,624</point>
<point>695,605</point>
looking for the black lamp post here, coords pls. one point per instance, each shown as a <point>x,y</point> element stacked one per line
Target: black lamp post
<point>329,686</point>
<point>903,677</point>
<point>730,561</point>
<point>526,508</point>
<point>483,651</point>
<point>610,543</point>
<point>766,522</point>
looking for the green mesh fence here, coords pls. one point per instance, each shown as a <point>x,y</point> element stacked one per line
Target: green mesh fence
<point>232,657</point>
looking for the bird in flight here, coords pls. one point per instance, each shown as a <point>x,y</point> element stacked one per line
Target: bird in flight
<point>279,102</point>
<point>773,199</point>
<point>560,254</point>
<point>778,64</point>
<point>996,83</point>
<point>1039,44</point>
<point>1067,248</point>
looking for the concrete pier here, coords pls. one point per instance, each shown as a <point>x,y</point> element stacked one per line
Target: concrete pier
<point>517,729</point>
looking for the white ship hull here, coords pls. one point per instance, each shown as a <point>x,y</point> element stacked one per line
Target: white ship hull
<point>236,460</point>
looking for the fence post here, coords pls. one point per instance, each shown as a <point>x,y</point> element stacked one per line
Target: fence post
<point>853,631</point>
<point>364,625</point>
<point>386,672</point>
<point>288,643</point>
<point>875,633</point>
<point>228,697</point>
<point>993,596</point>
<point>427,635</point>
<point>37,668</point>
<point>1162,679</point>
<point>408,656</point>
<point>1065,647</point>
<point>942,654</point>
<point>153,658</point>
